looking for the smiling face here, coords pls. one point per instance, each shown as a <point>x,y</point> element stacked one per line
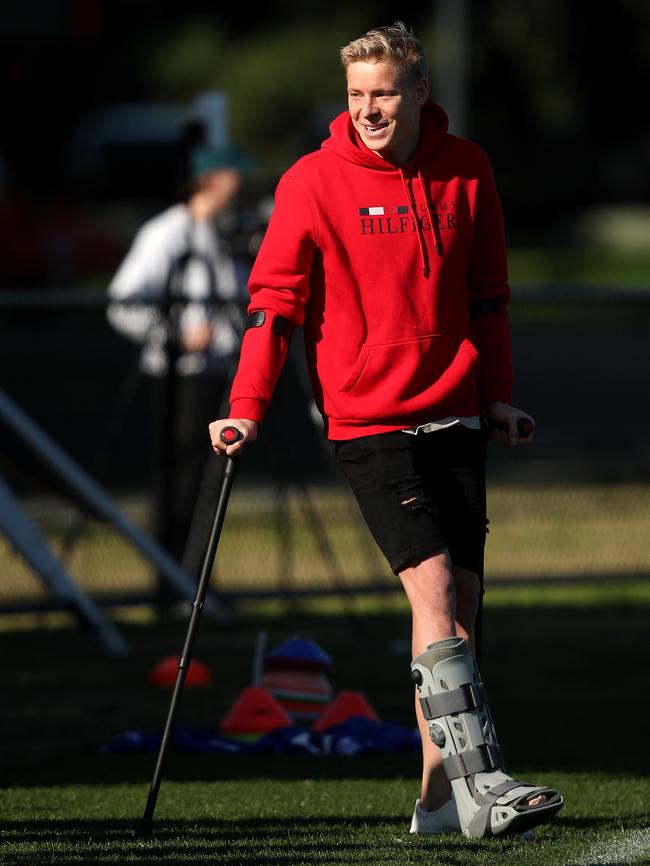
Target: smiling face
<point>385,108</point>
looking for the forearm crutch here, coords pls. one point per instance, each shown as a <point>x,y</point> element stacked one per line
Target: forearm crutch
<point>229,435</point>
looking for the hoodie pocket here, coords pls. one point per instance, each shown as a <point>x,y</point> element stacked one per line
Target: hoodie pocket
<point>357,369</point>
<point>407,375</point>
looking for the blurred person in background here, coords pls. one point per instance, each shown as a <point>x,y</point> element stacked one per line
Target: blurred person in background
<point>189,327</point>
<point>387,245</point>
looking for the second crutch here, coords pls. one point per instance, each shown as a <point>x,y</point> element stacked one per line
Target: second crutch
<point>229,435</point>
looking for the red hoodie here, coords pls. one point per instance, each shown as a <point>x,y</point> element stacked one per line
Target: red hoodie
<point>398,275</point>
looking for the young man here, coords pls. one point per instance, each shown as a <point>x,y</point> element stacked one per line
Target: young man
<point>387,246</point>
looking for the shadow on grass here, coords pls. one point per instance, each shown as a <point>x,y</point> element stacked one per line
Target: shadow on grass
<point>283,841</point>
<point>109,769</point>
<point>244,841</point>
<point>248,841</point>
<point>106,830</point>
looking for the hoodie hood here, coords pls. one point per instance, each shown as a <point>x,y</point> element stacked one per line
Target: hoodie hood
<point>345,141</point>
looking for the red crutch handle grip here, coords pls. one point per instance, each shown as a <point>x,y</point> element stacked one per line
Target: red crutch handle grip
<point>525,427</point>
<point>229,435</point>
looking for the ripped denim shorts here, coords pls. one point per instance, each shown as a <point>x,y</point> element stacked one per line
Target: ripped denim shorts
<point>421,494</point>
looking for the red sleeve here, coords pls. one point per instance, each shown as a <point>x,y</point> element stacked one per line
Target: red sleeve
<point>279,285</point>
<point>487,279</point>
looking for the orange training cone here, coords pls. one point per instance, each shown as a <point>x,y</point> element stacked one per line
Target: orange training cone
<point>343,707</point>
<point>255,712</point>
<point>165,672</point>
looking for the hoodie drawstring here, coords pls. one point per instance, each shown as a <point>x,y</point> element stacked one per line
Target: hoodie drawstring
<point>424,253</point>
<point>424,256</point>
<point>435,228</point>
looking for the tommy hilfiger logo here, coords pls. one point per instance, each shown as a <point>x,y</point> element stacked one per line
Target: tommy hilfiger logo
<point>382,211</point>
<point>396,220</point>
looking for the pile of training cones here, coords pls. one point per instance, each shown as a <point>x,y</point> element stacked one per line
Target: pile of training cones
<point>293,690</point>
<point>296,677</point>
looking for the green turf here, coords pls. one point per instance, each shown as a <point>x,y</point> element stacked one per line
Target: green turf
<point>583,663</point>
<point>349,820</point>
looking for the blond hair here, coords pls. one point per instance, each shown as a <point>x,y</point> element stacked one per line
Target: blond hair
<point>392,44</point>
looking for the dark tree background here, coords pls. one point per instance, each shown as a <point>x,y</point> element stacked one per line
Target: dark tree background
<point>555,93</point>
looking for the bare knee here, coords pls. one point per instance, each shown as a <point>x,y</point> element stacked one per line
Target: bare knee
<point>431,579</point>
<point>429,587</point>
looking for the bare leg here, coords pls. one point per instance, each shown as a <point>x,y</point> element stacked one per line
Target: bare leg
<point>444,602</point>
<point>468,589</point>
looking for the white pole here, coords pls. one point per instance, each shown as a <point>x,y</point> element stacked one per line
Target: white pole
<point>449,63</point>
<point>91,493</point>
<point>25,537</point>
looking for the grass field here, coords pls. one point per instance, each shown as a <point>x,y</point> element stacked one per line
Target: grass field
<point>567,674</point>
<point>349,820</point>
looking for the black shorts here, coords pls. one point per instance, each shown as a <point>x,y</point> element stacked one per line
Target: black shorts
<point>421,494</point>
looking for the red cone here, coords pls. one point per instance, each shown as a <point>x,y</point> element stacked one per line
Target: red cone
<point>343,707</point>
<point>255,712</point>
<point>165,672</point>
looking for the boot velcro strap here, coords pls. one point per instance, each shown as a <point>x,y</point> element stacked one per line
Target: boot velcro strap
<point>490,797</point>
<point>467,697</point>
<point>480,823</point>
<point>480,760</point>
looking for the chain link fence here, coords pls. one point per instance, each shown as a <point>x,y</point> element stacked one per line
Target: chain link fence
<point>574,506</point>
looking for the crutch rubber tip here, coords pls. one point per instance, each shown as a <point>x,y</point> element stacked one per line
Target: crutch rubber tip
<point>230,435</point>
<point>144,830</point>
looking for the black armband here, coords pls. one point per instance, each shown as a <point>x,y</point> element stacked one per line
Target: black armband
<point>484,307</point>
<point>256,319</point>
<point>281,326</point>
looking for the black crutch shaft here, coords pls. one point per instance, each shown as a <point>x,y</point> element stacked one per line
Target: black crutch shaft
<point>228,435</point>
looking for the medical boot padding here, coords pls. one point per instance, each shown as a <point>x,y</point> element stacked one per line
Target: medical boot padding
<point>453,701</point>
